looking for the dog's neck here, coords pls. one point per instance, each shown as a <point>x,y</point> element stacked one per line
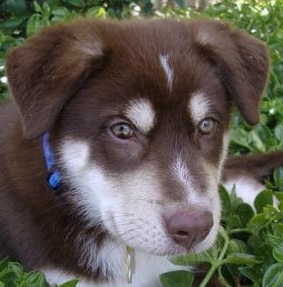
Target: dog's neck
<point>109,262</point>
<point>105,260</point>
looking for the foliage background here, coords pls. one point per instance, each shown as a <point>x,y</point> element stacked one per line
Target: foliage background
<point>249,250</point>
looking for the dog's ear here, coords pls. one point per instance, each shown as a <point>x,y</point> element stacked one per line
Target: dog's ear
<point>242,61</point>
<point>47,69</point>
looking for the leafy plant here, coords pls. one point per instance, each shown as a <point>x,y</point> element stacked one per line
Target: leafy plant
<point>12,275</point>
<point>249,248</point>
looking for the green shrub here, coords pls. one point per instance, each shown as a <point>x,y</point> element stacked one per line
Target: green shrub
<point>250,246</point>
<point>12,275</point>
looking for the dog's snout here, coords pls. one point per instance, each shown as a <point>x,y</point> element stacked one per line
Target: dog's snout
<point>187,227</point>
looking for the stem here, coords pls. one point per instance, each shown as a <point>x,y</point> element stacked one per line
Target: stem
<point>219,261</point>
<point>226,243</point>
<point>238,230</point>
<point>208,276</point>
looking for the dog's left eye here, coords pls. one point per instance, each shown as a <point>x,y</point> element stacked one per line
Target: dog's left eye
<point>122,130</point>
<point>207,126</point>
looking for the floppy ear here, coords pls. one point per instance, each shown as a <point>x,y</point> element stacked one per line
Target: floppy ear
<point>47,69</point>
<point>242,61</point>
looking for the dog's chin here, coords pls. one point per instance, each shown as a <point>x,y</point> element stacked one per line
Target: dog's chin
<point>170,249</point>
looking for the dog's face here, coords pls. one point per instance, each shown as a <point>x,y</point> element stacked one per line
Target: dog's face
<point>139,115</point>
<point>137,148</point>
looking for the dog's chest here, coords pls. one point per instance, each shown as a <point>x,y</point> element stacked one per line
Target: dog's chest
<point>146,273</point>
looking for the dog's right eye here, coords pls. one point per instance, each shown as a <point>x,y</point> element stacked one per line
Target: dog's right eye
<point>207,126</point>
<point>122,130</point>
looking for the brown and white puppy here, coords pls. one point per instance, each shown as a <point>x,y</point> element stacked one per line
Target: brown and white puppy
<point>138,117</point>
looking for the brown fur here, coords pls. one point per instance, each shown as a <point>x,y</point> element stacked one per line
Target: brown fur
<point>256,166</point>
<point>69,77</point>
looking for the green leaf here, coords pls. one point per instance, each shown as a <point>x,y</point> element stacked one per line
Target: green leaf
<point>96,12</point>
<point>225,200</point>
<point>4,263</point>
<point>264,134</point>
<point>263,198</point>
<point>239,138</point>
<point>177,279</point>
<point>257,223</point>
<point>271,212</point>
<point>273,277</point>
<point>17,7</point>
<point>273,240</point>
<point>234,199</point>
<point>236,246</point>
<point>241,259</point>
<point>256,141</point>
<point>71,283</point>
<point>36,279</point>
<point>191,259</point>
<point>278,253</point>
<point>278,178</point>
<point>37,8</point>
<point>279,195</point>
<point>15,267</point>
<point>61,12</point>
<point>9,277</point>
<point>226,276</point>
<point>278,132</point>
<point>254,274</point>
<point>12,275</point>
<point>46,9</point>
<point>35,23</point>
<point>233,221</point>
<point>13,22</point>
<point>77,3</point>
<point>277,229</point>
<point>245,213</point>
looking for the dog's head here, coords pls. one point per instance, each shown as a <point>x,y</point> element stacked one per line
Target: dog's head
<point>139,114</point>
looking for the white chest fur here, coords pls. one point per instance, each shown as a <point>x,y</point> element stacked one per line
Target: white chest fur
<point>147,271</point>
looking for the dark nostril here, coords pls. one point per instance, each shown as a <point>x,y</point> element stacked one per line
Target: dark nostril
<point>182,233</point>
<point>188,226</point>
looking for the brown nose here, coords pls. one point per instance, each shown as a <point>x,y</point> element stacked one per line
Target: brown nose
<point>188,227</point>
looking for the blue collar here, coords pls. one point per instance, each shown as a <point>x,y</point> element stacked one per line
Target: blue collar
<point>54,175</point>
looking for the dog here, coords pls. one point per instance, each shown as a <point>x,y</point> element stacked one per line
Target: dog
<point>113,146</point>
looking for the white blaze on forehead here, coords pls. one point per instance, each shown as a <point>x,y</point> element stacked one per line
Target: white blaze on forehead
<point>140,112</point>
<point>164,60</point>
<point>199,106</point>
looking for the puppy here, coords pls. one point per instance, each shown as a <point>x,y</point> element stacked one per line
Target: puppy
<point>113,145</point>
